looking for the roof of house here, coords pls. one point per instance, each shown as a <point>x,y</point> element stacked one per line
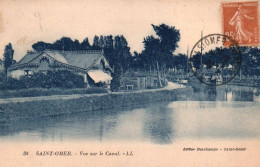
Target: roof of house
<point>57,56</point>
<point>81,59</point>
<point>27,58</point>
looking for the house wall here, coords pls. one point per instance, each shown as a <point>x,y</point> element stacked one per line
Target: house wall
<point>16,74</point>
<point>44,61</point>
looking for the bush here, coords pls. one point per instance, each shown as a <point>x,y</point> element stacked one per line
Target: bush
<point>53,79</point>
<point>2,76</point>
<point>115,83</point>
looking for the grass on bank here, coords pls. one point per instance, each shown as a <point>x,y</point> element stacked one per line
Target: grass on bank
<point>33,92</point>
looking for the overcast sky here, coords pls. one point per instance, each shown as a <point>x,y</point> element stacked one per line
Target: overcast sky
<point>25,22</point>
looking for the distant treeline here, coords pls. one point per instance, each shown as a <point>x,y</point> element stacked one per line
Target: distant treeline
<point>67,44</point>
<point>223,57</point>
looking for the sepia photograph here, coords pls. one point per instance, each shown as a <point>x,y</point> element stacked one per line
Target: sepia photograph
<point>129,83</point>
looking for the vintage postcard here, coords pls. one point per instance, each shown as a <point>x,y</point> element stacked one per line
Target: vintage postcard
<point>130,83</point>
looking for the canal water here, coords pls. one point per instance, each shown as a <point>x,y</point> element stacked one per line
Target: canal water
<point>229,112</point>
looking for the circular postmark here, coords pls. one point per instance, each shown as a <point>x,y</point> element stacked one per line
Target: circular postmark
<point>214,62</point>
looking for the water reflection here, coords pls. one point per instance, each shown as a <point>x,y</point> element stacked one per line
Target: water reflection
<point>58,128</point>
<point>219,119</point>
<point>231,112</point>
<point>225,93</point>
<point>158,124</point>
<point>107,125</point>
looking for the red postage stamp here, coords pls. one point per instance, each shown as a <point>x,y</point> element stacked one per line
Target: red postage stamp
<point>240,22</point>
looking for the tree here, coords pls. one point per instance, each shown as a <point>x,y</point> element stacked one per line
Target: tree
<point>159,51</point>
<point>65,43</point>
<point>76,45</point>
<point>115,83</point>
<point>85,44</point>
<point>109,41</point>
<point>169,37</point>
<point>8,57</point>
<point>2,76</point>
<point>122,55</point>
<point>1,62</point>
<point>250,61</point>
<point>101,41</point>
<point>151,51</point>
<point>255,56</point>
<point>40,46</point>
<point>118,55</point>
<point>109,49</point>
<point>137,61</point>
<point>96,42</point>
<point>168,42</point>
<point>14,61</point>
<point>180,62</point>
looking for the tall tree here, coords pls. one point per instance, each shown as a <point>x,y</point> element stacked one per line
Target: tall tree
<point>122,53</point>
<point>158,51</point>
<point>169,37</point>
<point>151,51</point>
<point>109,49</point>
<point>95,42</point>
<point>85,44</point>
<point>109,41</point>
<point>76,45</point>
<point>8,57</point>
<point>119,57</point>
<point>101,41</point>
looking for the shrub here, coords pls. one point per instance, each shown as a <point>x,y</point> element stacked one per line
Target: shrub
<point>53,79</point>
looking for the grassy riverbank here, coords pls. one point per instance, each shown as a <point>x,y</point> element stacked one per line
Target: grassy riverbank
<point>34,92</point>
<point>41,108</point>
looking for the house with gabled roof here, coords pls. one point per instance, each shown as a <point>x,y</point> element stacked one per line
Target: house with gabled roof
<point>91,64</point>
